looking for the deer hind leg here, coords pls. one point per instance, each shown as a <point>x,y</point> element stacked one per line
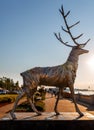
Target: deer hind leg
<point>30,99</point>
<point>15,105</point>
<point>56,104</point>
<point>76,107</point>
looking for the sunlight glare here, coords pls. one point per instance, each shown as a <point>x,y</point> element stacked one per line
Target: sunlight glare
<point>90,62</point>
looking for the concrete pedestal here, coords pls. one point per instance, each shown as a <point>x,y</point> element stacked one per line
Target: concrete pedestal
<point>64,121</point>
<point>49,116</point>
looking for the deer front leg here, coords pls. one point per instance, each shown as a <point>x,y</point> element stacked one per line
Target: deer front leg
<point>55,108</point>
<point>76,107</point>
<point>15,105</point>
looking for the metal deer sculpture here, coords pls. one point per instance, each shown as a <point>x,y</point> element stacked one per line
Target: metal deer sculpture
<point>60,76</point>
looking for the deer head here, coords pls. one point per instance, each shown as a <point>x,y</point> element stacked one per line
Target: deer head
<point>78,47</point>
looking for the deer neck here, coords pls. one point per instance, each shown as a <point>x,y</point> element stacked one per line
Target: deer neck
<point>73,58</point>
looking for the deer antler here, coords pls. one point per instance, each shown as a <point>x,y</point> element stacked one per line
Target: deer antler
<point>60,39</point>
<point>68,30</point>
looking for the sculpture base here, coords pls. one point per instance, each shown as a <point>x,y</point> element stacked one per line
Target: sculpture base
<point>49,116</point>
<point>66,121</point>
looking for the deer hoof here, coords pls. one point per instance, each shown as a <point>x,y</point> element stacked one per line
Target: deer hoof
<point>57,113</point>
<point>13,116</point>
<point>39,114</point>
<point>81,114</point>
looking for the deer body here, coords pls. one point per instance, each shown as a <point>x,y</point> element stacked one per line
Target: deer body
<point>52,76</point>
<point>60,76</point>
<point>55,75</point>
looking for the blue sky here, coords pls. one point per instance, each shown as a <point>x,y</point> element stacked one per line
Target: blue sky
<point>27,36</point>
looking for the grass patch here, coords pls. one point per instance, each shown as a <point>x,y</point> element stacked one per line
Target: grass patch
<point>8,98</point>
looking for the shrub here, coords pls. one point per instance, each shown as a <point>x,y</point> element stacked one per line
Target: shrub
<point>7,98</point>
<point>40,105</point>
<point>25,106</point>
<point>39,96</point>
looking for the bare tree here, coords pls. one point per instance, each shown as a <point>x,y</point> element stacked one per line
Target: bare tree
<point>61,76</point>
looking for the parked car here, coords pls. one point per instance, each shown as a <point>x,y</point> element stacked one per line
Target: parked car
<point>3,91</point>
